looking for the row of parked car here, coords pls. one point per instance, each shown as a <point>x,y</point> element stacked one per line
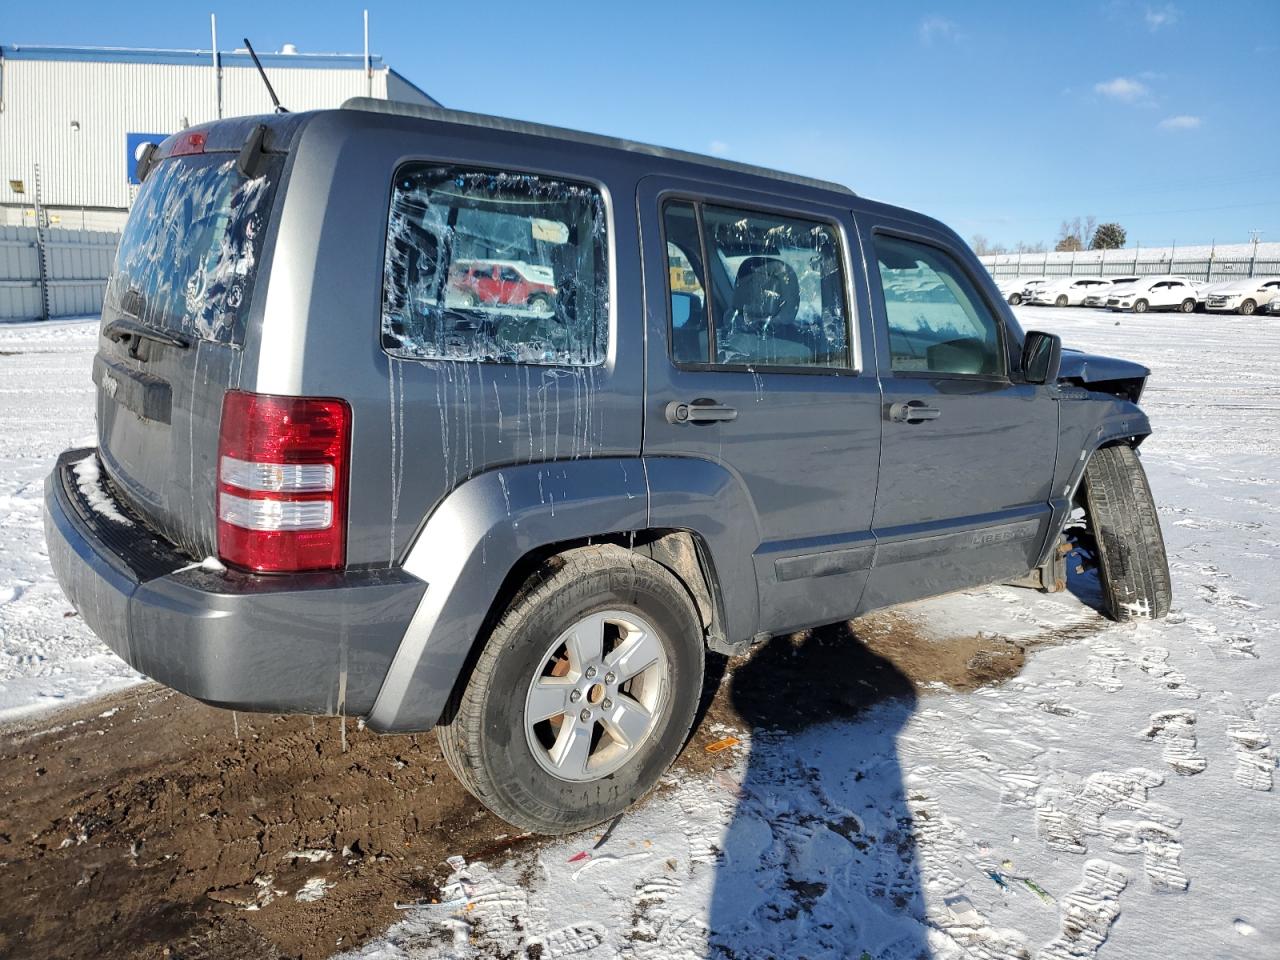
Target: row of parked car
<point>1245,296</point>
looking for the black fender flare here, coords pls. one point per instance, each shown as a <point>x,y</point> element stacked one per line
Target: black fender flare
<point>479,533</point>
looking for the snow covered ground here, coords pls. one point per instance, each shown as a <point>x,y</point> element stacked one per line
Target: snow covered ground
<point>1114,799</point>
<point>46,406</point>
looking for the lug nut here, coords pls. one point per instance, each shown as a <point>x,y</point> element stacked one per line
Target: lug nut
<point>610,678</point>
<point>585,716</point>
<point>575,696</point>
<point>591,672</point>
<point>607,704</point>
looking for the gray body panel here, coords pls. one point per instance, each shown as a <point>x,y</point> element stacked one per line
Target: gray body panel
<point>317,643</point>
<point>804,446</point>
<point>964,499</point>
<point>809,507</point>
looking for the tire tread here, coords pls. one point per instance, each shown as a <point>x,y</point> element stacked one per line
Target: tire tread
<point>1134,567</point>
<point>461,735</point>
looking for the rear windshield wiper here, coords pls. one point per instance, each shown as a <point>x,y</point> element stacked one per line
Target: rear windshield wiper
<point>123,329</point>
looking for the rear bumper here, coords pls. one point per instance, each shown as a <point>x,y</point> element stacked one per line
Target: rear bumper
<point>307,643</point>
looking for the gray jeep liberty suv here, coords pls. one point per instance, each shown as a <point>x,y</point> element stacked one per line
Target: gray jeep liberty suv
<point>349,463</point>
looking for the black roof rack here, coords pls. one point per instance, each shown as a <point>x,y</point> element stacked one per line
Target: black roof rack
<point>443,115</point>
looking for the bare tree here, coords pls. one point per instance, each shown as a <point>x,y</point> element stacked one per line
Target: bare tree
<point>984,247</point>
<point>1077,233</point>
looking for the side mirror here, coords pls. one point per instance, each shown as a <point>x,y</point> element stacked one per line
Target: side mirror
<point>682,308</point>
<point>1041,357</point>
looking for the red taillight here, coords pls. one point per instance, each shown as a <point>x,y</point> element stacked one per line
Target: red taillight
<point>282,482</point>
<point>188,143</point>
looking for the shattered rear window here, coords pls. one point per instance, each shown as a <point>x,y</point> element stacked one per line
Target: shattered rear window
<point>495,266</point>
<point>190,252</point>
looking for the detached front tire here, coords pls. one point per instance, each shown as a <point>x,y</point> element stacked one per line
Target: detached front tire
<point>1132,564</point>
<point>583,694</point>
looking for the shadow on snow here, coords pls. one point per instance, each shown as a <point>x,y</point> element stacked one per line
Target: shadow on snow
<point>818,859</point>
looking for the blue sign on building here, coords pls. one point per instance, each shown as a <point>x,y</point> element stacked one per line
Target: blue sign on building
<point>134,143</point>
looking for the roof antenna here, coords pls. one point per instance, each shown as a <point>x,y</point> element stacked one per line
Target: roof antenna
<point>262,73</point>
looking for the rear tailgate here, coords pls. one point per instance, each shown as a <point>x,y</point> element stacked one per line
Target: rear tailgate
<point>173,327</point>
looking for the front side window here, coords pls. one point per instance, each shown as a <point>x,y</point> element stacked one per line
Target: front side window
<point>937,321</point>
<point>771,293</point>
<point>495,266</point>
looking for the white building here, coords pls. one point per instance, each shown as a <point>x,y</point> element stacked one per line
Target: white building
<point>79,113</point>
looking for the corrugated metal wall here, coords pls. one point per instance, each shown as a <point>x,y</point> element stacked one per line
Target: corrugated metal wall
<point>19,274</point>
<point>77,263</point>
<point>87,166</point>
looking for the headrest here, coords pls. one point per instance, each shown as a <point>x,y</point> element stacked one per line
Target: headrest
<point>766,291</point>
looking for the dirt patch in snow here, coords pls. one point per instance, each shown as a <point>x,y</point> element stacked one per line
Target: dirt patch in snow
<point>838,671</point>
<point>149,825</point>
<point>170,828</point>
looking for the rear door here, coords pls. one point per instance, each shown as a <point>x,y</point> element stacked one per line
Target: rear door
<point>173,323</point>
<point>758,360</point>
<point>968,451</point>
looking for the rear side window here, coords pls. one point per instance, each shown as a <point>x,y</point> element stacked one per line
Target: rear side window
<point>770,293</point>
<point>190,252</point>
<point>937,321</point>
<point>495,266</point>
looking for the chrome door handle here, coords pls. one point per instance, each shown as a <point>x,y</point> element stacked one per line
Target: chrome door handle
<point>912,411</point>
<point>699,411</point>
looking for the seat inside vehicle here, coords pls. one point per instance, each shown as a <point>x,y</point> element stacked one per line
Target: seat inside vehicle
<point>761,326</point>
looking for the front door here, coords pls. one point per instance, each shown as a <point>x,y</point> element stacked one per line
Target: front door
<point>968,452</point>
<point>756,341</point>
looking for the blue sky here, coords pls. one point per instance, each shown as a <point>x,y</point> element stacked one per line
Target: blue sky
<point>1000,118</point>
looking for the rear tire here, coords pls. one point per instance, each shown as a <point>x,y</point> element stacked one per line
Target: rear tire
<point>1188,306</point>
<point>488,739</point>
<point>1061,301</point>
<point>1132,564</point>
<point>1015,299</point>
<point>1140,306</point>
<point>1247,308</point>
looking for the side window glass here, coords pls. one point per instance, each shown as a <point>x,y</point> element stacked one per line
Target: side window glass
<point>937,321</point>
<point>689,328</point>
<point>449,231</point>
<point>777,290</point>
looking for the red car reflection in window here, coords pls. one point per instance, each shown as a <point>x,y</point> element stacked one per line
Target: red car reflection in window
<point>505,282</point>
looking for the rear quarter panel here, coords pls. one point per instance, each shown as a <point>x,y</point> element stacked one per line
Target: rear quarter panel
<point>422,427</point>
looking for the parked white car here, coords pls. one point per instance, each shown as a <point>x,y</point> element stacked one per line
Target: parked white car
<point>1155,293</point>
<point>1098,298</point>
<point>1069,291</point>
<point>1273,308</point>
<point>1209,288</point>
<point>1032,288</point>
<point>1012,288</point>
<point>1242,296</point>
